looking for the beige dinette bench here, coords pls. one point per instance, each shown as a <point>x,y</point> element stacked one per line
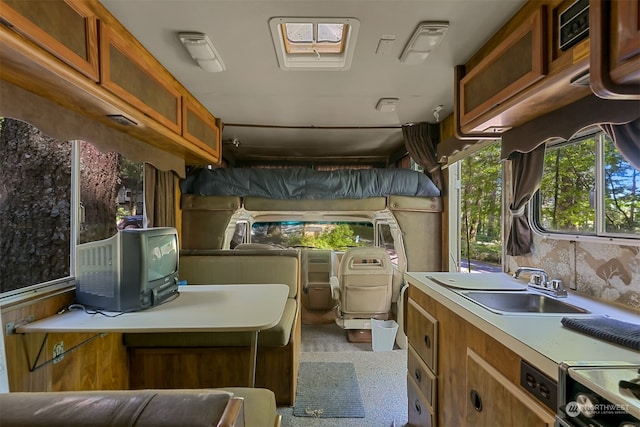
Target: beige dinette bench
<point>219,359</point>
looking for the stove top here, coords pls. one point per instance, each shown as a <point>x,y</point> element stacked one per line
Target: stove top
<point>605,381</point>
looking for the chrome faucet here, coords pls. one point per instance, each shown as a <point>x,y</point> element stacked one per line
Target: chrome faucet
<point>540,280</point>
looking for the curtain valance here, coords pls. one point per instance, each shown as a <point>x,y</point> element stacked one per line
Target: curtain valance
<point>566,121</point>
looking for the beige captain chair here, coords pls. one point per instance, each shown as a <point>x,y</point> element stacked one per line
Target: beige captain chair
<point>362,287</point>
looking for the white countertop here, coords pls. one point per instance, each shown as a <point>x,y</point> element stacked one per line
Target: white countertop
<point>539,339</point>
<point>198,308</point>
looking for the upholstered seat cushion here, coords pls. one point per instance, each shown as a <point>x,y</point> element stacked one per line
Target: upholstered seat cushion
<point>279,335</point>
<point>158,408</point>
<point>259,406</point>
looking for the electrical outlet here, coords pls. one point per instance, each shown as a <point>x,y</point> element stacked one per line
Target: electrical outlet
<point>538,384</point>
<point>58,352</point>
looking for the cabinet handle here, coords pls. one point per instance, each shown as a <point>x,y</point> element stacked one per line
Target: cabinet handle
<point>418,407</point>
<point>418,375</point>
<point>427,341</point>
<point>476,401</point>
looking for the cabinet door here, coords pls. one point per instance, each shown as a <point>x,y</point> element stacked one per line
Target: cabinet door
<point>494,401</point>
<point>515,64</point>
<point>67,29</point>
<point>131,74</point>
<point>615,49</point>
<point>200,128</point>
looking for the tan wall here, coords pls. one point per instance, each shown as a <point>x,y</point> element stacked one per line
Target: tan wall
<point>606,271</point>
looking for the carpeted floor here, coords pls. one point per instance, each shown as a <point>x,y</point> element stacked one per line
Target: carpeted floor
<point>382,377</point>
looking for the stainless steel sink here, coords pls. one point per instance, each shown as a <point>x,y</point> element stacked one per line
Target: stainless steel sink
<point>521,302</point>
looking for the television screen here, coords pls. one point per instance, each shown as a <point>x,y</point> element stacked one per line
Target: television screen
<point>163,256</point>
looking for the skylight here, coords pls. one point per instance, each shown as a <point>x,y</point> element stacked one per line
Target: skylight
<point>309,38</point>
<point>314,43</point>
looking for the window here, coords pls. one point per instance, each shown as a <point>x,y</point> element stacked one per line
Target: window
<point>35,207</point>
<point>588,188</point>
<point>314,43</point>
<point>481,209</point>
<point>240,234</point>
<point>49,186</point>
<point>385,240</point>
<point>320,235</point>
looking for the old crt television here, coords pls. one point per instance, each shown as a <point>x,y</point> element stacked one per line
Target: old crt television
<point>133,270</point>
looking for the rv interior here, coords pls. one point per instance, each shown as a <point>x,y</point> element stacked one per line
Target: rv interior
<point>258,119</point>
<point>316,113</point>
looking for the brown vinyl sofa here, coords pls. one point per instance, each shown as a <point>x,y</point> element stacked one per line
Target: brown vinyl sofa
<point>237,407</point>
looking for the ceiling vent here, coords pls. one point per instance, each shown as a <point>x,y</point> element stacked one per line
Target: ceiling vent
<point>314,43</point>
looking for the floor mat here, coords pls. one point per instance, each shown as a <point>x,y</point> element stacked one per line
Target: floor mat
<point>328,390</point>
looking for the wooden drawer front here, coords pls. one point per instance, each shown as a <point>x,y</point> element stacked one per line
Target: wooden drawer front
<point>146,86</point>
<point>420,414</point>
<point>515,64</point>
<point>67,29</point>
<point>422,376</point>
<point>423,333</point>
<point>199,126</point>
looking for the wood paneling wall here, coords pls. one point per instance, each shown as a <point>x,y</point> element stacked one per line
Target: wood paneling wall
<point>100,364</point>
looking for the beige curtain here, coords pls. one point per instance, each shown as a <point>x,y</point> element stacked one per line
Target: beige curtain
<point>420,140</point>
<point>159,197</point>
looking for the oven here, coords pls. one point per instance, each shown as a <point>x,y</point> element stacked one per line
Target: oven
<point>602,394</point>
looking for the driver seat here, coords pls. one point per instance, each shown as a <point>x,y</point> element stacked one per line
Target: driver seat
<point>362,287</point>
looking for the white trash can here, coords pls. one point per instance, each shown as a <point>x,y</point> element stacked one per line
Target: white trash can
<point>383,334</point>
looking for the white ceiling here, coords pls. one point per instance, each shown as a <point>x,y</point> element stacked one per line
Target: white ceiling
<point>283,107</point>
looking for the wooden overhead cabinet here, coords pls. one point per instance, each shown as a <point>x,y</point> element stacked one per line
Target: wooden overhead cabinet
<point>135,78</point>
<point>526,70</point>
<point>615,48</point>
<point>67,29</point>
<point>515,64</point>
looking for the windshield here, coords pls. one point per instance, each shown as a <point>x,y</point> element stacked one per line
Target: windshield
<point>320,235</point>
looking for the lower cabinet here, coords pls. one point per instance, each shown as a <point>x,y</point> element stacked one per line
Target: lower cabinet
<point>419,411</point>
<point>421,365</point>
<point>457,375</point>
<point>492,400</point>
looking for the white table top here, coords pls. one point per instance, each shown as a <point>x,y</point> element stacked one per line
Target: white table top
<point>198,308</point>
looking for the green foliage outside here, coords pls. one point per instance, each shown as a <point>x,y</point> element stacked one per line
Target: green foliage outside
<point>481,199</point>
<point>131,176</point>
<point>568,190</point>
<point>338,237</point>
<point>567,182</point>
